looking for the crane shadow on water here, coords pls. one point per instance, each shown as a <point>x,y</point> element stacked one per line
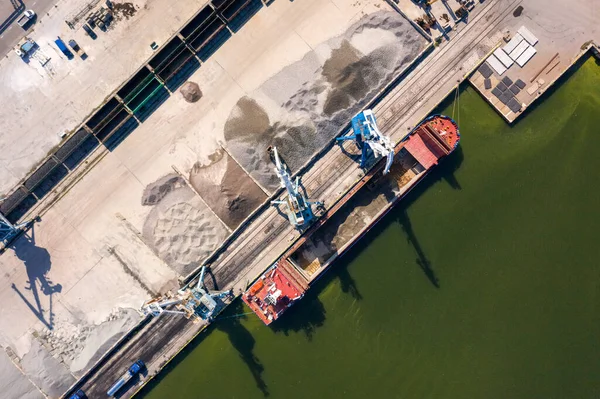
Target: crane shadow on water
<point>230,323</point>
<point>444,172</point>
<point>243,342</point>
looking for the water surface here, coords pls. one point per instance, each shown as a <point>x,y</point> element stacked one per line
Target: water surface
<point>507,228</point>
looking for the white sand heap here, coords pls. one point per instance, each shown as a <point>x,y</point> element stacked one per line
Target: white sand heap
<point>302,107</point>
<point>182,229</point>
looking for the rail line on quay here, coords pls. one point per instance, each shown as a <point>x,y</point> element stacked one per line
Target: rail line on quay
<point>268,230</point>
<point>389,122</point>
<point>316,191</point>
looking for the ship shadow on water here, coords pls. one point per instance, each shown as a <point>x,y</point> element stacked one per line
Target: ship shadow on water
<point>304,317</point>
<point>443,172</point>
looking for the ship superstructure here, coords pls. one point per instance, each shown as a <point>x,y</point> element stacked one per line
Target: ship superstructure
<point>275,291</point>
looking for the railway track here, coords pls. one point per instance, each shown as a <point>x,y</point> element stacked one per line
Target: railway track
<point>328,178</point>
<point>392,111</point>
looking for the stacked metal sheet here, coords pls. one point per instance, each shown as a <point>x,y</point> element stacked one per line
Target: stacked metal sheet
<point>514,105</point>
<point>506,97</point>
<point>527,35</point>
<point>521,47</point>
<point>503,57</point>
<point>487,83</point>
<point>506,94</point>
<point>520,84</point>
<point>485,70</point>
<point>507,81</point>
<point>526,56</point>
<point>513,43</point>
<point>496,65</point>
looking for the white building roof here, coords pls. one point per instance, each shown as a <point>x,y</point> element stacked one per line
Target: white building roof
<point>521,47</point>
<point>527,35</point>
<point>503,57</point>
<point>526,56</point>
<point>496,64</point>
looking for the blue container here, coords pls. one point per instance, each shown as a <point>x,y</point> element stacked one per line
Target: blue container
<point>63,47</point>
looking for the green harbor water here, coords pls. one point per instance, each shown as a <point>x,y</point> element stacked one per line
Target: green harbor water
<point>508,229</point>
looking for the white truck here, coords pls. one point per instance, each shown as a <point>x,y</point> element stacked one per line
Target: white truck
<point>26,18</point>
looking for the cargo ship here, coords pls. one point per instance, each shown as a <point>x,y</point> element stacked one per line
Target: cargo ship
<point>285,282</point>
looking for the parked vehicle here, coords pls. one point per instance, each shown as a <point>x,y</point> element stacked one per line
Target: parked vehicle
<point>63,47</point>
<point>90,31</point>
<point>134,370</point>
<point>24,49</point>
<point>26,18</point>
<point>77,49</point>
<point>78,395</point>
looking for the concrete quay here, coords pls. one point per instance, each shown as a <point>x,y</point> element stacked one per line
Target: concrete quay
<point>328,177</point>
<point>91,261</point>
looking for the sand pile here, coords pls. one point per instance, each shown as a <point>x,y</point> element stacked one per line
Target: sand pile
<point>155,192</point>
<point>182,229</point>
<point>99,339</point>
<point>45,371</point>
<point>13,383</point>
<point>306,104</point>
<point>226,189</point>
<point>191,92</point>
<point>80,345</point>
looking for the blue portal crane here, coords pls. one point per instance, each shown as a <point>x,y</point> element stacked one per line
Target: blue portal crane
<point>297,206</point>
<point>195,302</point>
<point>370,140</point>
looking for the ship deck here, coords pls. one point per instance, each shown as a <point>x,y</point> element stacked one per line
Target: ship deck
<point>360,209</point>
<point>274,284</point>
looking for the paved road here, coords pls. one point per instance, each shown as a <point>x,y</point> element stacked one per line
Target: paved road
<point>10,32</point>
<point>328,178</point>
